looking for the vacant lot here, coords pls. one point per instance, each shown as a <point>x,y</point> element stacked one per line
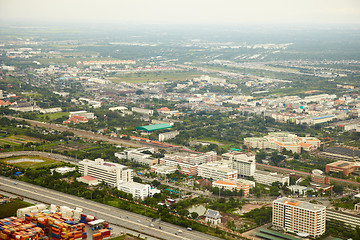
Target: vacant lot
<point>17,140</point>
<point>29,161</point>
<point>9,209</point>
<point>154,77</point>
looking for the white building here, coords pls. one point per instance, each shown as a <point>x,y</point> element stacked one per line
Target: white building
<point>213,217</point>
<point>267,178</point>
<point>138,190</point>
<point>299,217</point>
<point>244,163</point>
<point>143,111</point>
<point>283,140</point>
<point>168,135</point>
<point>217,171</point>
<point>231,185</point>
<point>110,173</point>
<point>63,170</point>
<point>84,114</point>
<point>137,155</point>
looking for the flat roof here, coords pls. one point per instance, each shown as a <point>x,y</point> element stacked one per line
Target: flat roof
<point>317,118</point>
<point>277,234</point>
<point>154,127</point>
<point>300,204</point>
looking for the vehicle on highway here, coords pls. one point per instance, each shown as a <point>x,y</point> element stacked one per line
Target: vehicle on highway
<point>190,229</point>
<point>15,183</point>
<point>180,231</point>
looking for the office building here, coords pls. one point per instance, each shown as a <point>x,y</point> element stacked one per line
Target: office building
<point>267,178</point>
<point>110,173</point>
<point>244,163</point>
<point>217,171</point>
<point>296,216</point>
<point>138,190</point>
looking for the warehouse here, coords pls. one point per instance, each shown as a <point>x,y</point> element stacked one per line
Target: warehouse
<point>154,127</point>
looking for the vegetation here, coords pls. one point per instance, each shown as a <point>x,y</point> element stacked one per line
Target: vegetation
<point>9,209</point>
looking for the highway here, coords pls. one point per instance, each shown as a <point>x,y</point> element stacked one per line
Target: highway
<point>128,220</point>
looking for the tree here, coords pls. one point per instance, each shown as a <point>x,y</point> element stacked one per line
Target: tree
<point>194,215</point>
<point>139,92</point>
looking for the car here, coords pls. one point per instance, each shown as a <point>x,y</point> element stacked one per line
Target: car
<point>15,183</point>
<point>190,229</point>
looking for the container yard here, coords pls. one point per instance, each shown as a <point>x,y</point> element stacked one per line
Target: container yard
<point>57,223</point>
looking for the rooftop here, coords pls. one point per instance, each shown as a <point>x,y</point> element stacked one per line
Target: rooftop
<point>300,204</point>
<point>154,127</point>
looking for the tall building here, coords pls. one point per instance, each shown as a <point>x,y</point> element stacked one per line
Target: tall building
<point>111,173</point>
<point>296,216</point>
<point>244,163</point>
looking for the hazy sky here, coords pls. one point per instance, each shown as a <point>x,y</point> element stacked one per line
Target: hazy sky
<point>182,11</point>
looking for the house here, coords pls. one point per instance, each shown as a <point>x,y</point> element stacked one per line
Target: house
<point>213,217</point>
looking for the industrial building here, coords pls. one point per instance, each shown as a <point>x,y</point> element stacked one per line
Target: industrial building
<point>154,127</point>
<point>299,217</point>
<point>110,173</point>
<point>342,153</point>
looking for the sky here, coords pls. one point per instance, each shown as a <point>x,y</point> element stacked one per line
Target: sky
<point>305,12</point>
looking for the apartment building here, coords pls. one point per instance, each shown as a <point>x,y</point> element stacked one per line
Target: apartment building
<point>110,173</point>
<point>217,171</point>
<point>244,164</point>
<point>296,216</point>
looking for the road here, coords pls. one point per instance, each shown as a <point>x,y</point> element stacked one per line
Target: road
<point>82,133</point>
<point>128,220</point>
<point>332,179</point>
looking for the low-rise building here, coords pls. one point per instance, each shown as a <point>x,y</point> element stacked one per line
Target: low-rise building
<point>283,140</point>
<point>168,135</point>
<point>138,155</point>
<point>212,217</point>
<point>138,190</point>
<point>342,166</point>
<point>267,178</point>
<point>231,185</point>
<point>91,181</point>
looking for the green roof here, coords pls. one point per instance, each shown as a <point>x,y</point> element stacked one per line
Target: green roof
<point>154,127</point>
<point>277,234</point>
<point>265,236</point>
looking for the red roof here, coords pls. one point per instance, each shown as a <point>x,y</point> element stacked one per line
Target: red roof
<point>88,178</point>
<point>163,109</point>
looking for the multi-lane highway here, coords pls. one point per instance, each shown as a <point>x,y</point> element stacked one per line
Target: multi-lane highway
<point>128,220</point>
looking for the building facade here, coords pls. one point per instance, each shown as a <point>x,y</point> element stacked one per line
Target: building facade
<point>217,171</point>
<point>244,164</point>
<point>110,173</point>
<point>296,216</point>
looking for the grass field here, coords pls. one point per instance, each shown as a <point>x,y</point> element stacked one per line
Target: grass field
<point>52,116</point>
<point>9,209</point>
<point>154,77</point>
<point>17,140</point>
<point>26,161</point>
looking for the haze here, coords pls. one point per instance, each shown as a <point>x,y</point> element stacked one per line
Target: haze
<point>182,12</point>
